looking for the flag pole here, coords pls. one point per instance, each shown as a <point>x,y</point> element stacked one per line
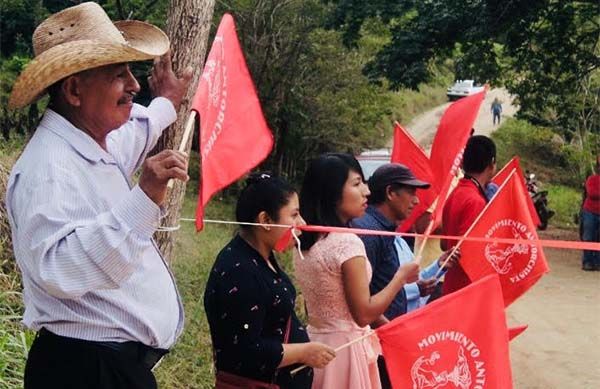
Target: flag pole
<point>423,242</point>
<point>457,246</point>
<point>339,348</point>
<point>189,127</point>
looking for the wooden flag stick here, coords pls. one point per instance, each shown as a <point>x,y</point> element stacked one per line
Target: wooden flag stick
<point>339,348</point>
<point>456,247</point>
<point>423,242</point>
<point>189,127</point>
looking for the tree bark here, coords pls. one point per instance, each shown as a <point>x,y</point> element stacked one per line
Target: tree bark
<point>188,27</point>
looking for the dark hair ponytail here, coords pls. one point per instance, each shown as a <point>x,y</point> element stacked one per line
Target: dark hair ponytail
<point>263,192</point>
<point>322,191</point>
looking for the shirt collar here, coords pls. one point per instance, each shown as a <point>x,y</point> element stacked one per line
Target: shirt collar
<point>381,219</point>
<point>81,142</point>
<point>469,183</point>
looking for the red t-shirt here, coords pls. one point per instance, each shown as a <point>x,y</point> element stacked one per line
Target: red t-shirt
<point>463,206</point>
<point>592,192</point>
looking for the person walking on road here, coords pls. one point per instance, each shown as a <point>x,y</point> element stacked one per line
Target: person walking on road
<point>496,110</point>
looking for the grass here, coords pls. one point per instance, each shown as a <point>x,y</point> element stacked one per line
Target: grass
<point>14,339</point>
<point>543,155</point>
<point>189,364</point>
<point>565,201</point>
<point>409,103</point>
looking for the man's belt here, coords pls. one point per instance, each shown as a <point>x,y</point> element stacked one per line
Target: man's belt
<point>148,356</point>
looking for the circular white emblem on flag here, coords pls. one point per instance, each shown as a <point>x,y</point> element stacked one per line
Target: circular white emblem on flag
<point>449,360</point>
<point>502,256</point>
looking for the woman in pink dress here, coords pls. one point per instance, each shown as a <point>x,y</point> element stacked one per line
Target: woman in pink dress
<point>334,274</point>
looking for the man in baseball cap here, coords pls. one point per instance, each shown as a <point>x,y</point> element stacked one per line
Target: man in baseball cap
<point>393,196</point>
<point>96,288</point>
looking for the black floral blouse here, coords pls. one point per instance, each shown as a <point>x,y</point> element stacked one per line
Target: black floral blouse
<point>248,307</point>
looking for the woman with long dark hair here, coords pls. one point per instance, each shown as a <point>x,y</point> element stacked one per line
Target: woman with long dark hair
<point>334,274</point>
<point>249,300</point>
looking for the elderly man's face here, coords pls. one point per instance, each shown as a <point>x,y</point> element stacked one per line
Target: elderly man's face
<point>402,201</point>
<point>106,97</point>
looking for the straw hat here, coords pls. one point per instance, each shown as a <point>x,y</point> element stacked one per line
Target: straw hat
<point>80,38</point>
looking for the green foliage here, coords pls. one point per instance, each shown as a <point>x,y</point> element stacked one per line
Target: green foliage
<point>15,123</point>
<point>17,22</point>
<point>560,168</point>
<point>311,87</point>
<point>544,152</point>
<point>151,11</point>
<point>566,202</point>
<point>553,61</point>
<point>545,51</point>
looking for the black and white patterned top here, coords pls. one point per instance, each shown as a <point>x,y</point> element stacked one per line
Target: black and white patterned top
<point>248,306</point>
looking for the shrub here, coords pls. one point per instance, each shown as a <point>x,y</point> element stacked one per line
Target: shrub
<point>544,152</point>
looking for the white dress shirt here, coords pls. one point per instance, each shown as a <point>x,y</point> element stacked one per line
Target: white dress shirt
<point>82,233</point>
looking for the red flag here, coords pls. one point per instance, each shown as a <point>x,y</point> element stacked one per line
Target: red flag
<point>449,143</point>
<point>516,331</point>
<point>406,151</point>
<point>503,174</point>
<point>234,136</point>
<point>519,265</point>
<point>457,341</point>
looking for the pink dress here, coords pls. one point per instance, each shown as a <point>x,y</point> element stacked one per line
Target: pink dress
<point>319,276</point>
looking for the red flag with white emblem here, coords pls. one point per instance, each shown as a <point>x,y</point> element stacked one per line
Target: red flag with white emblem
<point>519,264</point>
<point>234,136</point>
<point>457,341</point>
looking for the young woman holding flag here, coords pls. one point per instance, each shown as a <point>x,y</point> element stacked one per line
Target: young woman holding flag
<point>249,300</point>
<point>334,274</point>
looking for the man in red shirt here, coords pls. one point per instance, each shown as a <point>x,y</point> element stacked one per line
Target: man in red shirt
<point>590,219</point>
<point>467,201</point>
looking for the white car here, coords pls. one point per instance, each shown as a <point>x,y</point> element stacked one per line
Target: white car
<point>370,160</point>
<point>462,88</point>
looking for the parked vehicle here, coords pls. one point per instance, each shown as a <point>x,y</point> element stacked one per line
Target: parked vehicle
<point>370,160</point>
<point>462,88</point>
<point>540,200</point>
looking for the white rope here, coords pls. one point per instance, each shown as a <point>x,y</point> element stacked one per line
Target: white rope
<point>183,219</point>
<point>294,235</point>
<point>298,245</point>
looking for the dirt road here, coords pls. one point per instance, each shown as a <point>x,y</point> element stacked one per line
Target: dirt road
<point>561,347</point>
<point>423,127</point>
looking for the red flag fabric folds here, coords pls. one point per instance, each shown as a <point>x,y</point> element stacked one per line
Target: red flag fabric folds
<point>458,341</point>
<point>234,136</point>
<point>406,151</point>
<point>449,143</point>
<point>502,175</point>
<point>519,265</point>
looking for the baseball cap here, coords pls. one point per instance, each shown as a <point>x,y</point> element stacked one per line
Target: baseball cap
<point>395,173</point>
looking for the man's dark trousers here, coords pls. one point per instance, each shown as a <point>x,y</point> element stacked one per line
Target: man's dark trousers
<point>67,363</point>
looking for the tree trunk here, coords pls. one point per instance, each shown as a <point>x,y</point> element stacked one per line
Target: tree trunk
<point>188,26</point>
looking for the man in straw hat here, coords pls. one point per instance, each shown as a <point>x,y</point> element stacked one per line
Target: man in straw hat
<point>96,289</point>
